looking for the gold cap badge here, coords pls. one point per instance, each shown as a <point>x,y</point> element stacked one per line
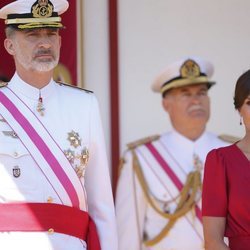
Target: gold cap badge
<point>190,69</point>
<point>42,9</point>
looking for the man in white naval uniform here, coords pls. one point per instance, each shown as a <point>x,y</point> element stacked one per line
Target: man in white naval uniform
<point>158,194</point>
<point>55,191</point>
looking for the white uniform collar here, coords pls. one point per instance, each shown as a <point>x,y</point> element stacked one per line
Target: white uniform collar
<point>179,143</point>
<point>20,87</point>
<point>187,142</point>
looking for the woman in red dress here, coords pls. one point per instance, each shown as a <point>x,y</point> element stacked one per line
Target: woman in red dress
<point>226,186</point>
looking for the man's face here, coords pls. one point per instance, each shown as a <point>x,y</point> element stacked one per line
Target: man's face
<point>36,49</point>
<point>188,107</point>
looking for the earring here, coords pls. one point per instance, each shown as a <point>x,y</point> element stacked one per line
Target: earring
<point>241,120</point>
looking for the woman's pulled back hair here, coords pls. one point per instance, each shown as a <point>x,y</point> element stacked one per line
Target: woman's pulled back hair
<point>242,89</point>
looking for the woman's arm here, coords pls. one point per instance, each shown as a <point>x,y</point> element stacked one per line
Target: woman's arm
<point>214,228</point>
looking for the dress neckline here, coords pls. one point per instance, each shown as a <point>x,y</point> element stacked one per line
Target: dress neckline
<point>241,152</point>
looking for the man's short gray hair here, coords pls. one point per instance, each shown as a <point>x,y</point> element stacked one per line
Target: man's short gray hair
<point>9,31</point>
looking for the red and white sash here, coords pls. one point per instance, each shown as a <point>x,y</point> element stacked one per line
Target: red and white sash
<point>43,149</point>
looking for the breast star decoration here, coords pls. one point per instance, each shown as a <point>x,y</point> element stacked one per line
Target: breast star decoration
<point>77,154</point>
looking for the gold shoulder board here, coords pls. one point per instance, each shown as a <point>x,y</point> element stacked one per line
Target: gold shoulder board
<point>229,138</point>
<point>73,86</point>
<point>3,84</point>
<point>139,142</point>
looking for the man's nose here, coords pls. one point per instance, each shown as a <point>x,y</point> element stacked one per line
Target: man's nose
<point>45,43</point>
<point>196,98</point>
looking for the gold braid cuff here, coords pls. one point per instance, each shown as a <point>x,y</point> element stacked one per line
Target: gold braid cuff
<point>185,204</point>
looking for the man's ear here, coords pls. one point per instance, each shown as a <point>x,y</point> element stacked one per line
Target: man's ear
<point>166,103</point>
<point>8,44</point>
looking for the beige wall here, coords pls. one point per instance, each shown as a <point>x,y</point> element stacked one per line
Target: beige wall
<point>152,34</point>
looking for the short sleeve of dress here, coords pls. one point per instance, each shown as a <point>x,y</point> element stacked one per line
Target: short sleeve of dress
<point>214,194</point>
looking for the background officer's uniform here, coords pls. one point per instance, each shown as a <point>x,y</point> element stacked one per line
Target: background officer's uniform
<point>158,194</point>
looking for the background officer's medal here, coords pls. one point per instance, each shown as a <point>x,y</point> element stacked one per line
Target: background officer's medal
<point>16,171</point>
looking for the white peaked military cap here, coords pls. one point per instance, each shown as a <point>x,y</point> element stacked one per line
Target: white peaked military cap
<point>187,71</point>
<point>31,14</point>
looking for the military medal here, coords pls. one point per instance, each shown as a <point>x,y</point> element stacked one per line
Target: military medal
<point>78,159</point>
<point>70,155</point>
<point>40,107</point>
<point>16,171</point>
<point>198,165</point>
<point>84,158</point>
<point>74,139</point>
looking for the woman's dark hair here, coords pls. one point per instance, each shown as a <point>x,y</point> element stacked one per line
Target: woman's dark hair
<point>242,89</point>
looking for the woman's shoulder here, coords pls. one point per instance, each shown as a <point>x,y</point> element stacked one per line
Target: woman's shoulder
<point>226,148</point>
<point>223,151</point>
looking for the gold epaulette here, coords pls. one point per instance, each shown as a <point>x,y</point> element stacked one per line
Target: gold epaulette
<point>3,84</point>
<point>137,143</point>
<point>73,86</point>
<point>229,138</point>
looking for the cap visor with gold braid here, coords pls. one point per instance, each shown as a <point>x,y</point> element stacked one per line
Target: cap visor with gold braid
<point>185,72</point>
<point>31,14</point>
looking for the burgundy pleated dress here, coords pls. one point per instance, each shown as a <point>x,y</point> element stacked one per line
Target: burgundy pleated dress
<point>226,193</point>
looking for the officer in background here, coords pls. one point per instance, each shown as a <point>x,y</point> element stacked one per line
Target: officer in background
<point>158,195</point>
<point>55,190</point>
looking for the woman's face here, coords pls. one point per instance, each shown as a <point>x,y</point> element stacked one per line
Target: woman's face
<point>245,113</point>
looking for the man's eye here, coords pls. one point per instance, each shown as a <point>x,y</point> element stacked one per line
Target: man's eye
<point>31,34</point>
<point>203,93</point>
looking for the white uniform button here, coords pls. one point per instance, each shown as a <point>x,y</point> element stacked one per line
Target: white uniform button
<point>15,154</point>
<point>51,231</point>
<point>50,199</point>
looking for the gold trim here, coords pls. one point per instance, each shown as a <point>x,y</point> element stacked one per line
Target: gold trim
<point>133,145</point>
<point>3,84</point>
<point>80,44</point>
<point>187,199</point>
<point>184,82</point>
<point>33,20</point>
<point>39,25</point>
<point>229,138</point>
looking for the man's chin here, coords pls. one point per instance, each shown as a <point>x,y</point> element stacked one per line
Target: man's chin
<point>42,68</point>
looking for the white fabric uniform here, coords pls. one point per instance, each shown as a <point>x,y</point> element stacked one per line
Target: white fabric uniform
<point>67,109</point>
<point>135,217</point>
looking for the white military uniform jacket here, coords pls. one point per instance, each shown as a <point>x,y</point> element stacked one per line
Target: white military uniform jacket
<point>67,110</point>
<point>136,218</point>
